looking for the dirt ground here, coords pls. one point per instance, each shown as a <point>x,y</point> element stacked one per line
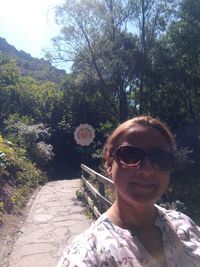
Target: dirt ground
<point>10,225</point>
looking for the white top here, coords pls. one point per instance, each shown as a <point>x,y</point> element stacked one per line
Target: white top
<point>105,244</point>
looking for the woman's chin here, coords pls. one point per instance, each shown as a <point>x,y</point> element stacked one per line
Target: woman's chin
<point>144,195</point>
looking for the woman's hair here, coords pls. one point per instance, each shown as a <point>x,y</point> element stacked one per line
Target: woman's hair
<point>117,137</point>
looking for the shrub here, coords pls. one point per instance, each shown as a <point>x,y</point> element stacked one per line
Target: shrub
<point>30,137</point>
<point>18,176</point>
<point>41,153</point>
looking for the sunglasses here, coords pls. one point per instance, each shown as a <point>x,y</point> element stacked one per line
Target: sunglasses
<point>129,156</point>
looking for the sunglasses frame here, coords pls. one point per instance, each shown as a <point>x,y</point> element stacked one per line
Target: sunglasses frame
<point>116,156</point>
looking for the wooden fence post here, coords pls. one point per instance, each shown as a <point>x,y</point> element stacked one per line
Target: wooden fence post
<point>102,192</point>
<point>97,194</point>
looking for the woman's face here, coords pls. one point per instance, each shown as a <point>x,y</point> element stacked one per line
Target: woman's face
<point>141,185</point>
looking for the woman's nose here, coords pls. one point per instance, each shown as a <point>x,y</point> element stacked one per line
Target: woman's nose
<point>145,165</point>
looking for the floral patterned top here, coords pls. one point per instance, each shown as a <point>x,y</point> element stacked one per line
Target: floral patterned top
<point>106,244</point>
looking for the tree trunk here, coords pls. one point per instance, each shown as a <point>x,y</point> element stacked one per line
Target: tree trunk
<point>123,109</point>
<point>143,48</point>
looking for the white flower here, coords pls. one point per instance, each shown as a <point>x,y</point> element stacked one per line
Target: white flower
<point>84,134</point>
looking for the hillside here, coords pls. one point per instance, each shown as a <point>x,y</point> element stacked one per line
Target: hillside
<point>39,69</point>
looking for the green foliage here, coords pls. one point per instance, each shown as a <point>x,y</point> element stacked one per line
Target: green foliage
<point>1,206</point>
<point>79,194</point>
<point>9,77</point>
<point>17,173</point>
<point>42,153</point>
<point>3,161</point>
<point>9,72</point>
<point>6,154</point>
<point>104,54</point>
<point>30,137</point>
<point>27,134</point>
<point>176,69</point>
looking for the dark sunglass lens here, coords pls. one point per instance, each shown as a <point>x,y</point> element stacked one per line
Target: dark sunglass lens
<point>129,156</point>
<point>162,160</point>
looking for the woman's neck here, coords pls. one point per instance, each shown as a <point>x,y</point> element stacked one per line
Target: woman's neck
<point>127,216</point>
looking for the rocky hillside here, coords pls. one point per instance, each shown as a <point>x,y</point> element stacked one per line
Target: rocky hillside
<point>39,69</point>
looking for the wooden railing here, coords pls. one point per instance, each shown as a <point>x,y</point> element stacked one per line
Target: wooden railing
<point>95,196</point>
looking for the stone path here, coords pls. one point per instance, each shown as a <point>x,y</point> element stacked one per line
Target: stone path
<point>55,217</point>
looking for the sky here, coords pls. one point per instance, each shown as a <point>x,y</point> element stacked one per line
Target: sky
<point>28,24</point>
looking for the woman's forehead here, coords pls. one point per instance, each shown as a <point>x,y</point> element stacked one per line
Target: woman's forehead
<point>143,136</point>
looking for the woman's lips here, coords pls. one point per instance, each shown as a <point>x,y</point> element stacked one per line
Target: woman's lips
<point>144,185</point>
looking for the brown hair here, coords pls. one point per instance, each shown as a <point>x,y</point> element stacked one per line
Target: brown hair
<point>120,132</point>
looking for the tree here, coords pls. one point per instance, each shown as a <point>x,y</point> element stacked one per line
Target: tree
<point>117,66</point>
<point>93,36</point>
<point>9,78</point>
<point>174,80</point>
<point>150,19</point>
<point>174,95</point>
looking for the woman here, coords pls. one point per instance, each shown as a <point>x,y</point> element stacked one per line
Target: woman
<point>135,231</point>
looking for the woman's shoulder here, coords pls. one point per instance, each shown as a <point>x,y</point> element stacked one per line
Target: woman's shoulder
<point>175,215</point>
<point>183,225</point>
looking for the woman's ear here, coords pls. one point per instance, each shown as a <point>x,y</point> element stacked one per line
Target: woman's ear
<point>108,165</point>
<point>109,171</point>
<point>109,168</point>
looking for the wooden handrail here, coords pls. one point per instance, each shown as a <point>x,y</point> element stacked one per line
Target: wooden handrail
<point>94,197</point>
<point>96,175</point>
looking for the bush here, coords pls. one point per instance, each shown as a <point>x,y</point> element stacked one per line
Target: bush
<point>18,176</point>
<point>42,153</point>
<point>30,137</point>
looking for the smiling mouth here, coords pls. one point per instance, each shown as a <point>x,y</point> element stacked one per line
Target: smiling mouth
<point>144,185</point>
